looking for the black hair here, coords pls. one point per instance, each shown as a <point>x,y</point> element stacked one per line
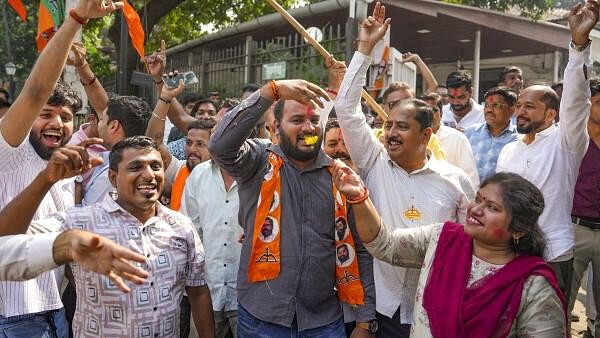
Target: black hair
<point>550,98</point>
<point>509,69</point>
<point>204,124</point>
<point>190,97</point>
<point>6,93</point>
<point>278,110</point>
<point>132,113</point>
<point>202,101</point>
<point>423,112</point>
<point>458,79</point>
<point>594,86</point>
<point>508,94</point>
<point>396,86</point>
<point>250,88</point>
<point>435,97</point>
<point>557,85</point>
<point>4,103</point>
<point>331,123</point>
<point>524,203</point>
<point>136,142</point>
<point>65,96</point>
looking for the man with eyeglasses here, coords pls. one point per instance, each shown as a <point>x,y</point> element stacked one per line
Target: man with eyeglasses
<point>487,139</point>
<point>462,111</point>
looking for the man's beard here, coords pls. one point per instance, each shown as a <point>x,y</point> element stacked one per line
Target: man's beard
<point>459,107</point>
<point>42,150</point>
<point>294,152</point>
<point>343,258</point>
<point>533,125</point>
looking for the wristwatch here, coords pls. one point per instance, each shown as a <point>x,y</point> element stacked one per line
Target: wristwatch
<point>370,326</point>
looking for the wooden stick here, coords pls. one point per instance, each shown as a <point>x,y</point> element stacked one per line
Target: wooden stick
<point>370,101</point>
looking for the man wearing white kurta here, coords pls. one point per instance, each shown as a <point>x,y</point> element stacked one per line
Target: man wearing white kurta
<point>549,155</point>
<point>408,190</point>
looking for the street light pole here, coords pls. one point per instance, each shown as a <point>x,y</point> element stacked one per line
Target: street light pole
<point>11,69</point>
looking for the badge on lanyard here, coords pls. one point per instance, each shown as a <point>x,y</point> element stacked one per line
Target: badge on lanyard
<point>412,214</point>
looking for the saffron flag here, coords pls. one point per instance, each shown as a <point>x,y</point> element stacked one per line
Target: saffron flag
<point>18,6</point>
<point>50,17</point>
<point>134,25</point>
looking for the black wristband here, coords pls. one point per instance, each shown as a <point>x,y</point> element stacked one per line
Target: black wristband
<point>164,100</point>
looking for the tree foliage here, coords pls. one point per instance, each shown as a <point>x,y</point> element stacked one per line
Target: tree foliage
<point>533,9</point>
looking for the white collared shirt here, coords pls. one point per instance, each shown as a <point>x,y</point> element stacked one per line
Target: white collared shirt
<point>458,152</point>
<point>214,212</point>
<point>18,168</point>
<point>473,117</point>
<point>438,191</point>
<point>552,160</point>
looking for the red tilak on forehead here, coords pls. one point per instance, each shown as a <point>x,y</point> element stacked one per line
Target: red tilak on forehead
<point>340,136</point>
<point>309,112</point>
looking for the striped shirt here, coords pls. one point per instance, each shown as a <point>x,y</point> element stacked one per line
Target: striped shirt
<point>18,168</point>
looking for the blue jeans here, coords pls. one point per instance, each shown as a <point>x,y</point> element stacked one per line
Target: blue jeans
<point>49,324</point>
<point>249,326</point>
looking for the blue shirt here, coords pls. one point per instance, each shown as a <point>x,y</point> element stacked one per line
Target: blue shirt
<point>486,147</point>
<point>177,148</point>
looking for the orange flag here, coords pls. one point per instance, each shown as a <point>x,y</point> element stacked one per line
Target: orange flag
<point>18,6</point>
<point>46,27</point>
<point>134,24</point>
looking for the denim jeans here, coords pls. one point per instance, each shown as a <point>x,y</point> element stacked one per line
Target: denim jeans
<point>49,324</point>
<point>249,326</point>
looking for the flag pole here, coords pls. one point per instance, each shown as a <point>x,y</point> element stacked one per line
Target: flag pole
<point>326,55</point>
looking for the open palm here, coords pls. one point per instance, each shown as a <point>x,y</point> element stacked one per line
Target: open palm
<point>582,19</point>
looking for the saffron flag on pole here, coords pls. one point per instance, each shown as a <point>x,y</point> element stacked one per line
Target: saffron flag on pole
<point>134,26</point>
<point>18,6</point>
<point>50,17</point>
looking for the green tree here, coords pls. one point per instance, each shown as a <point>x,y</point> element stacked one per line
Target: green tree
<point>533,9</point>
<point>177,21</point>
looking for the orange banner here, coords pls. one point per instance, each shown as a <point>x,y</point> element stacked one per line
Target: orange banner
<point>134,24</point>
<point>45,27</point>
<point>18,6</point>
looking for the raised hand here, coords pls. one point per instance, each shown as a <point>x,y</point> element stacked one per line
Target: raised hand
<point>346,180</point>
<point>410,57</point>
<point>169,93</point>
<point>92,9</point>
<point>299,90</point>
<point>99,254</point>
<point>373,29</point>
<point>336,71</point>
<point>582,20</point>
<point>156,62</point>
<point>71,160</point>
<point>77,56</point>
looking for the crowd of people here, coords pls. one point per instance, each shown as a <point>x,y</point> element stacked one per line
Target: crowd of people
<point>295,211</point>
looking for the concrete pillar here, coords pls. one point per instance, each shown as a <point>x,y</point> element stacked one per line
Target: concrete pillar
<point>476,64</point>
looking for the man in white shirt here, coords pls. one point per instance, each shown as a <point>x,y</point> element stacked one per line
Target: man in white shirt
<point>211,201</point>
<point>407,187</point>
<point>23,257</point>
<point>455,144</point>
<point>462,111</point>
<point>549,155</point>
<point>38,122</point>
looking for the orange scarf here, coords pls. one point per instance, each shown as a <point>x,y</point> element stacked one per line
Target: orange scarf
<point>265,259</point>
<point>178,185</point>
